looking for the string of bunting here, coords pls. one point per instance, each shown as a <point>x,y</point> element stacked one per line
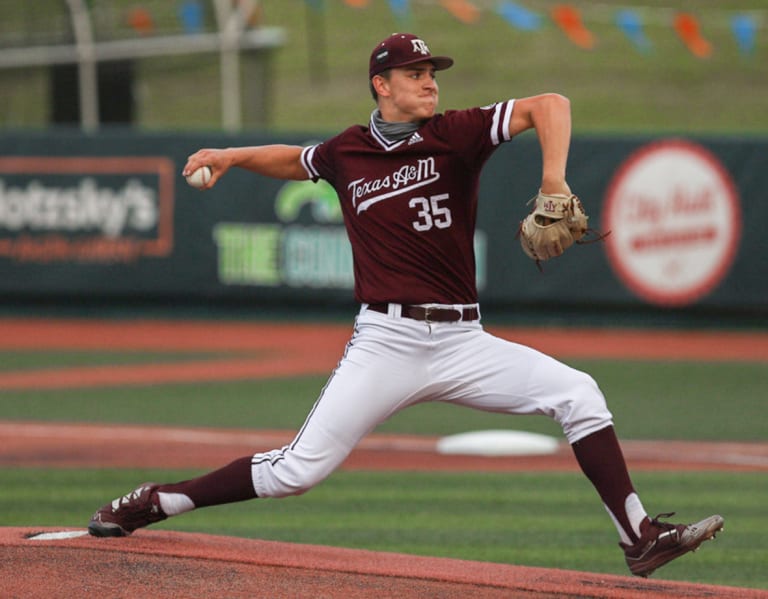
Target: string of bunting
<point>574,22</point>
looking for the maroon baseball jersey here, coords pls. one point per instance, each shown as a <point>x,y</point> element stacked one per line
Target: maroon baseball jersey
<point>410,206</point>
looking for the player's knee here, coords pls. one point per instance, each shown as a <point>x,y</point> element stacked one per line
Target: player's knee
<point>584,411</point>
<point>288,475</point>
<point>284,484</point>
<point>283,489</point>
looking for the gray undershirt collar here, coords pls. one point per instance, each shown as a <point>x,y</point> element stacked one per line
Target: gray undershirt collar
<point>393,131</point>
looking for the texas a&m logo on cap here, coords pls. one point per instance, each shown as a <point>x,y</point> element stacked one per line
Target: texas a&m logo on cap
<point>420,46</point>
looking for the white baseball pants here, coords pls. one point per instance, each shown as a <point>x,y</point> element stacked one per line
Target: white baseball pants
<point>391,363</point>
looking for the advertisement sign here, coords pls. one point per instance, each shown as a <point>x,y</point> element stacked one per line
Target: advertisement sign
<point>85,209</point>
<point>675,221</point>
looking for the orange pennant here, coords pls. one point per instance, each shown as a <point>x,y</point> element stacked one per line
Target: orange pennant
<point>569,20</point>
<point>140,19</point>
<point>688,29</point>
<point>357,3</point>
<point>464,11</point>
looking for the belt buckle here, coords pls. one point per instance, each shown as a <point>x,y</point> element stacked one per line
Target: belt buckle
<point>429,309</point>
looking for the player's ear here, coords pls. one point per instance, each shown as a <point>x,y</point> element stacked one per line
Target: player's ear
<point>380,85</point>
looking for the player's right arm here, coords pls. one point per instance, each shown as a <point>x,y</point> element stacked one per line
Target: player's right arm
<point>279,161</point>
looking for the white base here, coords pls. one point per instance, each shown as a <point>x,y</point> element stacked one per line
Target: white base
<point>55,536</point>
<point>497,443</point>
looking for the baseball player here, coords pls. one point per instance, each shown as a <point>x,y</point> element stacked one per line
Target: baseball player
<point>408,187</point>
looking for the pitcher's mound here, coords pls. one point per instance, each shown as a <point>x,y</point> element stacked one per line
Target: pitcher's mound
<point>153,563</point>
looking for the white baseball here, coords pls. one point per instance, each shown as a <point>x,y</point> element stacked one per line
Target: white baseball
<point>199,177</point>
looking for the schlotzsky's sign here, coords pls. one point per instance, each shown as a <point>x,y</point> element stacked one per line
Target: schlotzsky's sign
<point>85,209</point>
<point>675,222</point>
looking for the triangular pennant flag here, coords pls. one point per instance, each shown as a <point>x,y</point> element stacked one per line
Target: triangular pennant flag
<point>687,27</point>
<point>401,9</point>
<point>463,10</point>
<point>744,29</point>
<point>192,16</point>
<point>631,24</point>
<point>569,20</point>
<point>518,16</point>
<point>357,3</point>
<point>140,19</point>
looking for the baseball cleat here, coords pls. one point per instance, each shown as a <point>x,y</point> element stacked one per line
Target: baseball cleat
<point>661,542</point>
<point>125,514</point>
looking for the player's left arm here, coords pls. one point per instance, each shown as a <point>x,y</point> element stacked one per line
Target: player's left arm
<point>550,116</point>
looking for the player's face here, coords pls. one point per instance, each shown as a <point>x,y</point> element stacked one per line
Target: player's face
<point>412,93</point>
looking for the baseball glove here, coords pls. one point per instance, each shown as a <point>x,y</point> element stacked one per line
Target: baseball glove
<point>556,222</point>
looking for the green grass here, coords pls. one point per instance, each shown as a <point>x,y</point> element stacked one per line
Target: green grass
<point>319,78</point>
<point>649,400</point>
<point>612,88</point>
<point>548,519</point>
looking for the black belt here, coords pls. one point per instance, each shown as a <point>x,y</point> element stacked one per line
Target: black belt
<point>430,314</point>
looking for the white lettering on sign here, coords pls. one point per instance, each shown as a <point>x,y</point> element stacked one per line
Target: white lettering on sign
<point>675,222</point>
<point>85,207</point>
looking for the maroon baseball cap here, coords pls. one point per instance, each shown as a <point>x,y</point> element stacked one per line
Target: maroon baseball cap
<point>401,49</point>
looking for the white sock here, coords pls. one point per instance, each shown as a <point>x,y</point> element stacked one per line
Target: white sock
<point>174,504</point>
<point>635,514</point>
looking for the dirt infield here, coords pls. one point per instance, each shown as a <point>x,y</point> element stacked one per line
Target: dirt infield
<point>165,564</point>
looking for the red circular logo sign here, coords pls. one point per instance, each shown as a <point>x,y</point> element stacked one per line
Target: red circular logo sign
<point>675,222</point>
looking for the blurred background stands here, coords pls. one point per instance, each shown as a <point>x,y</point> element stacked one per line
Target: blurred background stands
<point>65,62</point>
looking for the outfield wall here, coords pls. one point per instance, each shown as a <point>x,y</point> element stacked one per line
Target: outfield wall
<point>109,216</point>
